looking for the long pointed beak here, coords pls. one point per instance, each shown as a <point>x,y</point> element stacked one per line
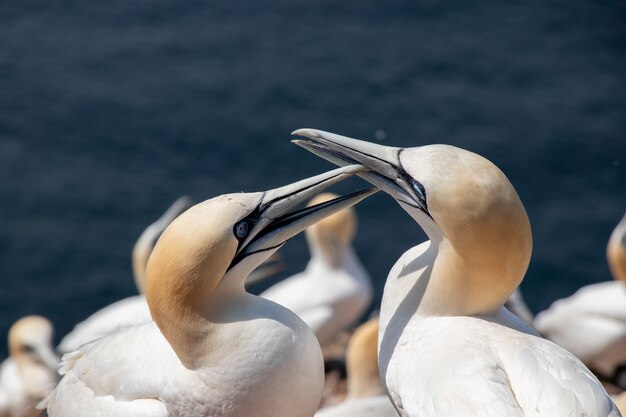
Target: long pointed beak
<point>280,219</point>
<point>383,162</point>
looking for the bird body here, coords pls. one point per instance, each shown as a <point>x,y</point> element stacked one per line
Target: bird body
<point>136,369</point>
<point>490,369</point>
<point>447,346</point>
<point>213,350</point>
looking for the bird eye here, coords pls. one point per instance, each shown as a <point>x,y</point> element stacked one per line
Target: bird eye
<point>28,349</point>
<point>241,229</point>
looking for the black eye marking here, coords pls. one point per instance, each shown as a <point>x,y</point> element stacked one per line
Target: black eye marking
<point>241,229</point>
<point>418,188</point>
<point>28,349</point>
<point>420,192</point>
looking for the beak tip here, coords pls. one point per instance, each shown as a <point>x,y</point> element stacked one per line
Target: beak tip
<point>306,132</point>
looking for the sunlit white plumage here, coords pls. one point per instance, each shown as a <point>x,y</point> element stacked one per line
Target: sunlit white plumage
<point>592,323</point>
<point>29,374</point>
<point>213,349</point>
<point>335,289</point>
<point>131,310</point>
<point>447,346</point>
<point>366,395</point>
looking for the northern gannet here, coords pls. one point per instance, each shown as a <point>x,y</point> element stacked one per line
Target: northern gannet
<point>366,395</point>
<point>447,346</point>
<point>213,349</point>
<point>592,323</point>
<point>131,310</point>
<point>30,372</point>
<point>334,290</point>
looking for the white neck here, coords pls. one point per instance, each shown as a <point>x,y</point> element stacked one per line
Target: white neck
<point>431,279</point>
<point>331,252</point>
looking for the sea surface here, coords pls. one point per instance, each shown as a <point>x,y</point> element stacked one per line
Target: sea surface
<point>111,110</point>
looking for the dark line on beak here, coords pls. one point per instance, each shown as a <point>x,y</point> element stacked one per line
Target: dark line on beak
<point>241,256</point>
<point>265,206</point>
<point>420,199</point>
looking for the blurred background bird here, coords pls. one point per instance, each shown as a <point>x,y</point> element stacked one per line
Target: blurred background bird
<point>334,290</point>
<point>592,323</point>
<point>30,372</point>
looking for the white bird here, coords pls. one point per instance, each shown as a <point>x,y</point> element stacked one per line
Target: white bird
<point>131,310</point>
<point>334,290</point>
<point>592,323</point>
<point>447,346</point>
<point>366,395</point>
<point>30,372</point>
<point>213,349</point>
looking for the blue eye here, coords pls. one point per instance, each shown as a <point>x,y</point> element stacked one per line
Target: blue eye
<point>241,229</point>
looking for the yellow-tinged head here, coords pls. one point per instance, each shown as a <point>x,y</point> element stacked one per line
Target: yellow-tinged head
<point>30,342</point>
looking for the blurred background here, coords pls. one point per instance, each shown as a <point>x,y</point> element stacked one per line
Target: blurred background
<point>111,110</point>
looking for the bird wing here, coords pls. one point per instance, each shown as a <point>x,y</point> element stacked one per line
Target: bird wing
<point>74,398</point>
<point>121,314</point>
<point>123,374</point>
<point>547,380</point>
<point>470,366</point>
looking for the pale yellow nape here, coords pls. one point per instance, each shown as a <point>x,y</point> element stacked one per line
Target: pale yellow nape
<point>333,234</point>
<point>488,240</point>
<point>189,262</point>
<point>29,330</point>
<point>362,362</point>
<point>616,252</point>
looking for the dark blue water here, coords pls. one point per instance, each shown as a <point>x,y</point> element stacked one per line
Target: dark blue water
<point>111,110</point>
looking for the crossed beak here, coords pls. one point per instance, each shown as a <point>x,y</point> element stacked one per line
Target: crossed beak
<point>277,217</point>
<point>385,169</point>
